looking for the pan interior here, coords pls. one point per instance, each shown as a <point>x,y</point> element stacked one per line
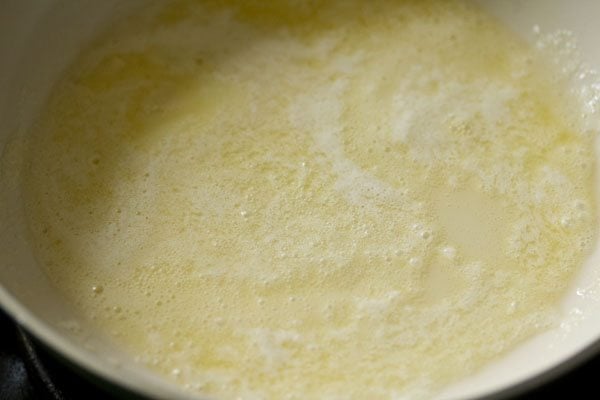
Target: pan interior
<point>26,282</point>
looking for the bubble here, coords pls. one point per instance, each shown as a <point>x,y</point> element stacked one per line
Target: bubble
<point>425,235</point>
<point>449,252</point>
<point>512,307</point>
<point>417,226</point>
<point>97,289</point>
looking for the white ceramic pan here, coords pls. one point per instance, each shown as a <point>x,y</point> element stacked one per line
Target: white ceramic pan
<point>39,38</point>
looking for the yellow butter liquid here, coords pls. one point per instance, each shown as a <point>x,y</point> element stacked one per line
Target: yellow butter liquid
<point>312,200</point>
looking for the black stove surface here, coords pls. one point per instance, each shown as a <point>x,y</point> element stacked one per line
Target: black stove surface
<point>28,372</point>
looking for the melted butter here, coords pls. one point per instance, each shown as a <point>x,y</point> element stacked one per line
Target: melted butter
<point>478,224</point>
<point>339,199</point>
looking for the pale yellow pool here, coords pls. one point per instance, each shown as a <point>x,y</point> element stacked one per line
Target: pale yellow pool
<point>312,200</point>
